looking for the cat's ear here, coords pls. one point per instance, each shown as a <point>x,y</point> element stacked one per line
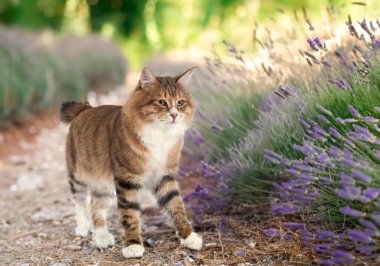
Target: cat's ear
<point>147,78</point>
<point>184,78</point>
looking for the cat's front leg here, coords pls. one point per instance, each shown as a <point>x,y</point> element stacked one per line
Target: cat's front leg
<point>129,209</point>
<point>168,197</point>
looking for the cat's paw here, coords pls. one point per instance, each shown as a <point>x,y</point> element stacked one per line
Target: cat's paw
<point>83,230</point>
<point>193,241</point>
<point>133,251</point>
<point>103,238</point>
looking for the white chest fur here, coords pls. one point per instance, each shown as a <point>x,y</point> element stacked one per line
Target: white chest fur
<point>159,139</point>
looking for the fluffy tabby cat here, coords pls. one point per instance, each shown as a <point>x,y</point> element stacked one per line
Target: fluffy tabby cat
<point>126,149</point>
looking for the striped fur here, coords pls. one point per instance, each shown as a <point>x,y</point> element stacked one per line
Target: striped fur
<point>126,149</point>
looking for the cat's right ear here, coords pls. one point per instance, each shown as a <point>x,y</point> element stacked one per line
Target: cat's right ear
<point>147,78</point>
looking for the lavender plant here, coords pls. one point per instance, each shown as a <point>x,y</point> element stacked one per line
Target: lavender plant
<point>335,184</point>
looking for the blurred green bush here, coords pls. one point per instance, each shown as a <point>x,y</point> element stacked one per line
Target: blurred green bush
<point>38,71</point>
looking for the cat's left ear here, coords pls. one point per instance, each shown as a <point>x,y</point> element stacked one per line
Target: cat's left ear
<point>184,78</point>
<point>147,78</point>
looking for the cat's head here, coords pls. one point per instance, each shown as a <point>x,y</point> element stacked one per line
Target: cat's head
<point>164,101</point>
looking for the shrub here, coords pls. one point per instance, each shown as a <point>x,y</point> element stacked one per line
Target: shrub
<point>39,71</point>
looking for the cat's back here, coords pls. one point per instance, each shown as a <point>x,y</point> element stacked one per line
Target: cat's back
<point>90,136</point>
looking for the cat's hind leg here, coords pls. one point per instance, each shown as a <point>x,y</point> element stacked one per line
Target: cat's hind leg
<point>101,199</point>
<point>79,191</point>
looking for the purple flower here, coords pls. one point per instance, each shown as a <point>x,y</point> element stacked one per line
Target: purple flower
<point>367,223</point>
<point>348,192</point>
<point>346,179</point>
<point>335,133</point>
<point>284,208</point>
<point>364,249</point>
<point>240,253</point>
<point>350,120</point>
<point>370,119</point>
<point>362,130</point>
<point>340,83</point>
<point>312,44</point>
<point>273,154</point>
<point>271,159</point>
<point>293,171</point>
<point>354,112</point>
<point>357,235</point>
<point>351,212</point>
<point>376,217</point>
<point>371,192</point>
<point>287,236</point>
<point>306,149</point>
<point>271,232</point>
<point>342,257</point>
<point>358,175</point>
<point>322,248</point>
<point>325,235</point>
<point>304,124</point>
<point>293,226</point>
<point>318,42</point>
<point>326,262</point>
<point>324,119</point>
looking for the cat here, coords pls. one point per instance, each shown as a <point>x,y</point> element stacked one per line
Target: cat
<point>127,149</point>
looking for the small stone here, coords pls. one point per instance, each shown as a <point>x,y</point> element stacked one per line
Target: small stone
<point>43,216</point>
<point>72,248</point>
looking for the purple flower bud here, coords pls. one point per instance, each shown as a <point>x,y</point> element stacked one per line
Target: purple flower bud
<point>370,119</point>
<point>346,179</point>
<point>342,257</point>
<point>312,44</point>
<point>284,208</point>
<point>285,162</point>
<point>358,175</point>
<point>348,192</point>
<point>318,42</point>
<point>340,83</point>
<point>335,133</point>
<point>367,223</point>
<point>357,235</point>
<point>271,159</point>
<point>351,212</point>
<point>323,158</point>
<point>271,232</point>
<point>304,124</point>
<point>335,151</point>
<point>322,248</point>
<point>354,135</point>
<point>293,171</point>
<point>273,154</point>
<point>362,130</point>
<point>349,162</point>
<point>364,249</point>
<point>376,217</point>
<point>371,192</point>
<point>324,119</point>
<point>240,253</point>
<point>325,235</point>
<point>294,226</point>
<point>319,137</point>
<point>354,112</point>
<point>306,149</point>
<point>350,120</point>
<point>303,167</point>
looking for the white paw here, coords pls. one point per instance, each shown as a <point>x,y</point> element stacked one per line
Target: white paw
<point>103,238</point>
<point>193,241</point>
<point>133,251</point>
<point>82,231</point>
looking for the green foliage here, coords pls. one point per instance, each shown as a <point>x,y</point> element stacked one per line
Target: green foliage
<point>36,75</point>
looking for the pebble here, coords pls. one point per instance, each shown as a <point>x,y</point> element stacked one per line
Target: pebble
<point>27,182</point>
<point>43,216</point>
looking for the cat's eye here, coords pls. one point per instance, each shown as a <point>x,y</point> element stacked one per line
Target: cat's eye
<point>180,102</point>
<point>161,102</point>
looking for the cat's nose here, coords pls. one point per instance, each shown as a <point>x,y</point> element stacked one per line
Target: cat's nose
<point>174,115</point>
